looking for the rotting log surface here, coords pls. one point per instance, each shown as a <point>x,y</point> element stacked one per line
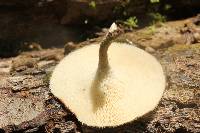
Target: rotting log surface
<point>27,105</point>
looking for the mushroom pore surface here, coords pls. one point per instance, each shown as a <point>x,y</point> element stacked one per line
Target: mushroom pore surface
<point>131,85</point>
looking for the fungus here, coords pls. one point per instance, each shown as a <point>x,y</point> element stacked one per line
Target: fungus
<point>108,87</point>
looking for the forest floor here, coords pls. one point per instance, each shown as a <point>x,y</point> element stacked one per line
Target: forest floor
<point>27,105</point>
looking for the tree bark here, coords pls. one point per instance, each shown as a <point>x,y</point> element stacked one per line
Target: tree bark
<point>27,105</point>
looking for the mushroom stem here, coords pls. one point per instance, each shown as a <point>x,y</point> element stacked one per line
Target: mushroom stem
<point>113,33</point>
<point>97,95</point>
<point>103,55</point>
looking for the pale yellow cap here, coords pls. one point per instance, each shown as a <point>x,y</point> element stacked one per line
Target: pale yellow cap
<point>132,87</point>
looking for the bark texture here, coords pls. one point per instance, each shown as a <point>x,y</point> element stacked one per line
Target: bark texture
<point>27,105</point>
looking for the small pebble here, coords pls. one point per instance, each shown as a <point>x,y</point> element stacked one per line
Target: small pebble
<point>150,49</point>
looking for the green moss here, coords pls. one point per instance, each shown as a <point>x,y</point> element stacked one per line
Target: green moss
<point>157,17</point>
<point>184,47</point>
<point>131,22</point>
<point>150,30</point>
<point>92,4</point>
<point>47,77</point>
<point>167,7</point>
<point>154,1</point>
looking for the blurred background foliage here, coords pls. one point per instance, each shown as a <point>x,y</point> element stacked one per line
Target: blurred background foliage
<point>53,23</point>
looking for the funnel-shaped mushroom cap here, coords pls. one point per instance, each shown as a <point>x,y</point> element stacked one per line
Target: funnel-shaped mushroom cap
<point>130,87</point>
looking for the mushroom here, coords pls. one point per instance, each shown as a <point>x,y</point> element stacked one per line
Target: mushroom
<point>108,87</point>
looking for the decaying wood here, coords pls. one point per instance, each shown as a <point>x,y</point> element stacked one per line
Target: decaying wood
<point>27,105</point>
